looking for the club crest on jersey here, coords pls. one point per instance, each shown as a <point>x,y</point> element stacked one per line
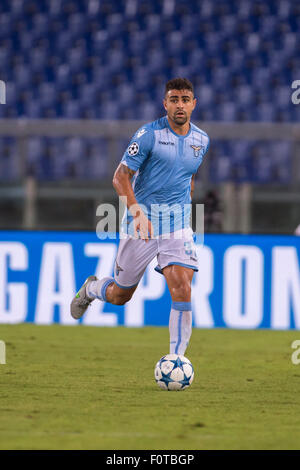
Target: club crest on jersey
<point>197,150</point>
<point>133,149</point>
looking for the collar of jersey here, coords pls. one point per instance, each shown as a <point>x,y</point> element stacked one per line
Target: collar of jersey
<point>178,135</point>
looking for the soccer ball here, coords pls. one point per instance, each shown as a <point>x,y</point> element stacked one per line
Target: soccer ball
<point>174,372</point>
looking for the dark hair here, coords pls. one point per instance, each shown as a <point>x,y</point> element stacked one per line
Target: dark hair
<point>179,84</point>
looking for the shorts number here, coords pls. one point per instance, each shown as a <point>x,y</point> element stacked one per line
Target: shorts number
<point>188,248</point>
<point>190,251</point>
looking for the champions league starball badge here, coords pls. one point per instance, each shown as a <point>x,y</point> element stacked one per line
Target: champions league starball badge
<point>133,149</point>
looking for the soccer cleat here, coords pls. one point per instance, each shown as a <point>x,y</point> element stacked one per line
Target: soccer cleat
<point>81,300</point>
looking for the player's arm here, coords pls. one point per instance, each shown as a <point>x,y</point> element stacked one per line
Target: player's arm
<point>122,184</point>
<point>194,175</point>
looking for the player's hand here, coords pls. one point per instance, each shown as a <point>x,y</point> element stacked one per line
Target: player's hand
<point>143,227</point>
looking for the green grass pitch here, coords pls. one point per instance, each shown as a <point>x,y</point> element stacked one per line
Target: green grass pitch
<point>93,388</point>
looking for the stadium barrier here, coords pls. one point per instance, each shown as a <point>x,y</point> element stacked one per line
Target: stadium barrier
<point>244,281</point>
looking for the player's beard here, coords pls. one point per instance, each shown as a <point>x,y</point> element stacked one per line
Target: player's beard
<point>180,120</point>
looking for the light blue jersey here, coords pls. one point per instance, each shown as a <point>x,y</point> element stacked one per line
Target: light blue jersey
<point>164,163</point>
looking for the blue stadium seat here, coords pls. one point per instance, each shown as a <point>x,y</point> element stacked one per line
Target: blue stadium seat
<point>35,155</point>
<point>69,33</point>
<point>71,109</point>
<point>91,59</point>
<point>221,162</point>
<point>153,26</point>
<point>262,163</point>
<point>75,59</point>
<point>206,9</point>
<point>141,78</point>
<point>205,95</point>
<point>40,25</point>
<point>88,95</point>
<point>22,76</point>
<point>240,160</point>
<point>47,94</point>
<point>9,165</point>
<point>265,112</point>
<point>5,25</point>
<point>63,42</point>
<point>33,109</point>
<point>38,59</point>
<point>227,111</point>
<point>16,9</point>
<point>282,162</point>
<point>97,159</point>
<point>74,151</point>
<point>93,9</point>
<point>109,110</point>
<point>244,95</point>
<point>76,25</point>
<point>282,97</point>
<point>272,162</point>
<point>63,77</point>
<point>147,111</point>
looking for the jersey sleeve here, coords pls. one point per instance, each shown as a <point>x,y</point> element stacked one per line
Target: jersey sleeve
<point>139,148</point>
<point>207,145</point>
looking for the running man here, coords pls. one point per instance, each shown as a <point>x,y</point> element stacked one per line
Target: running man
<point>155,179</point>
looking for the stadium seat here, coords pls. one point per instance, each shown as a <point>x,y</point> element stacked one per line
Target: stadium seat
<point>91,59</point>
<point>97,158</point>
<point>10,169</point>
<point>221,162</point>
<point>262,163</point>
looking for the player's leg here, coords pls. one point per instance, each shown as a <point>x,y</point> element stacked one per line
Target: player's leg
<point>110,291</point>
<point>179,281</point>
<point>177,260</point>
<point>102,289</point>
<point>132,259</point>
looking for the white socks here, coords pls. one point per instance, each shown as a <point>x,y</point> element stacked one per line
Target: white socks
<point>97,289</point>
<point>180,327</point>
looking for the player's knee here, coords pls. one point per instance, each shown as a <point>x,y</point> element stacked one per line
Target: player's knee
<point>181,292</point>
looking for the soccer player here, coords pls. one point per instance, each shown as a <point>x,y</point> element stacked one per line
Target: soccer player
<point>155,178</point>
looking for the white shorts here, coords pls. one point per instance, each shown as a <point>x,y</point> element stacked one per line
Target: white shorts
<point>135,254</point>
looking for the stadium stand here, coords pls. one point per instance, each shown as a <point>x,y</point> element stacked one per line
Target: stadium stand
<point>109,60</point>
